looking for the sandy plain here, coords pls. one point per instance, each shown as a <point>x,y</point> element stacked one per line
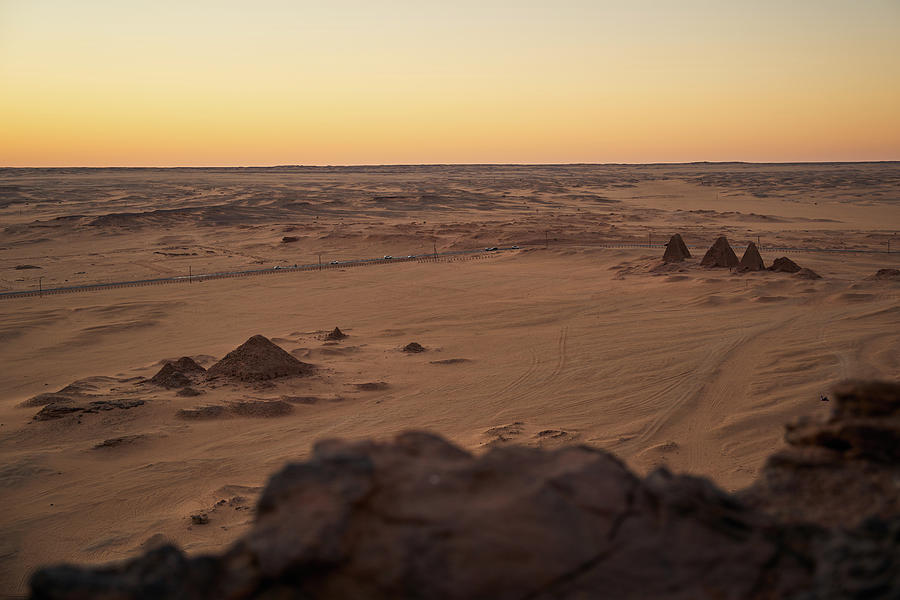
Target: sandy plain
<point>692,368</point>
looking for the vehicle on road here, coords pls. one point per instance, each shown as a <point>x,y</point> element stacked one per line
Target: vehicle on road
<point>514,248</point>
<point>388,257</point>
<point>335,262</point>
<point>491,249</point>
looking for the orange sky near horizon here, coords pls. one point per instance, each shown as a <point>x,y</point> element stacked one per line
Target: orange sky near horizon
<point>105,83</point>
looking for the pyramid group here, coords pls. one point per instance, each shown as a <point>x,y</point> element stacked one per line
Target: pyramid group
<point>721,254</point>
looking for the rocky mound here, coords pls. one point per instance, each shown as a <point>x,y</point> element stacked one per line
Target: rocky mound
<point>176,374</point>
<point>259,359</point>
<point>720,254</point>
<point>784,265</point>
<point>414,347</point>
<point>752,261</point>
<point>842,470</point>
<point>421,518</point>
<point>261,408</point>
<point>335,335</point>
<point>289,239</point>
<point>676,250</point>
<point>887,274</point>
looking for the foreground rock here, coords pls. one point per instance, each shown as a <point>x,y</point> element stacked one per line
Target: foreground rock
<point>842,470</point>
<point>259,359</point>
<point>421,518</point>
<point>676,250</point>
<point>720,254</point>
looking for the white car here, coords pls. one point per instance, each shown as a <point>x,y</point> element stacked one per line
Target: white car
<point>388,257</point>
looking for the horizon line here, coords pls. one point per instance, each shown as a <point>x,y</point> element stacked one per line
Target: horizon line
<point>490,164</point>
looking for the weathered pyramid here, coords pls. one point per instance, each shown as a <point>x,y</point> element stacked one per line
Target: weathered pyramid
<point>258,359</point>
<point>784,265</point>
<point>752,261</point>
<point>720,254</point>
<point>676,249</point>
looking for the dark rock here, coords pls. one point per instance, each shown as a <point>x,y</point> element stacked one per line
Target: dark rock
<point>288,239</point>
<point>841,470</point>
<point>261,408</point>
<point>720,254</point>
<point>414,348</point>
<point>57,410</point>
<point>200,519</point>
<point>202,412</point>
<point>784,265</point>
<point>676,250</point>
<point>175,374</point>
<point>24,267</point>
<point>259,359</point>
<point>752,261</point>
<point>335,334</point>
<point>887,274</point>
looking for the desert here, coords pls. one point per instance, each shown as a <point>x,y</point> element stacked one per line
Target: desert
<point>136,416</point>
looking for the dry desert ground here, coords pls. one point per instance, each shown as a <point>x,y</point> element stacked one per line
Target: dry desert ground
<point>563,340</point>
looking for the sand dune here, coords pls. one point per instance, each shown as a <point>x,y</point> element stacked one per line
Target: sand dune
<point>680,365</point>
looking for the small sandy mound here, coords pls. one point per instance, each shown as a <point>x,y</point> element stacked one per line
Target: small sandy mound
<point>336,334</point>
<point>301,399</point>
<point>676,250</point>
<point>805,273</point>
<point>720,254</point>
<point>261,408</point>
<point>784,265</point>
<point>44,400</point>
<point>120,441</point>
<point>414,347</point>
<point>887,274</point>
<point>259,359</point>
<point>752,261</point>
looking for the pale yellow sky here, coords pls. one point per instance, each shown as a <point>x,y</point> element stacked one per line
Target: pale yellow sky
<point>268,82</point>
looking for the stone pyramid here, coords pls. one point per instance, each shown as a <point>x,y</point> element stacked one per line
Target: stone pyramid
<point>752,261</point>
<point>259,359</point>
<point>784,265</point>
<point>676,249</point>
<point>720,254</point>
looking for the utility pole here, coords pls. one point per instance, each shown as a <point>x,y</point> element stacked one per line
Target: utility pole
<point>190,274</point>
<point>40,287</point>
<point>649,239</point>
<point>434,247</point>
<point>320,262</point>
<point>757,241</point>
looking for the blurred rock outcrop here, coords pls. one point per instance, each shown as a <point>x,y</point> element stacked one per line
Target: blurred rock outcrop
<point>420,518</point>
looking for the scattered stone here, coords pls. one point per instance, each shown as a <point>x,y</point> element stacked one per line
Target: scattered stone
<point>289,239</point>
<point>119,441</point>
<point>805,273</point>
<point>24,267</point>
<point>335,334</point>
<point>784,265</point>
<point>676,250</point>
<point>57,410</point>
<point>720,254</point>
<point>199,519</point>
<point>450,361</point>
<point>752,261</point>
<point>414,347</point>
<point>45,399</point>
<point>258,359</point>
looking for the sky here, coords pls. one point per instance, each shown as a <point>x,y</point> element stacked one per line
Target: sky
<point>342,82</point>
